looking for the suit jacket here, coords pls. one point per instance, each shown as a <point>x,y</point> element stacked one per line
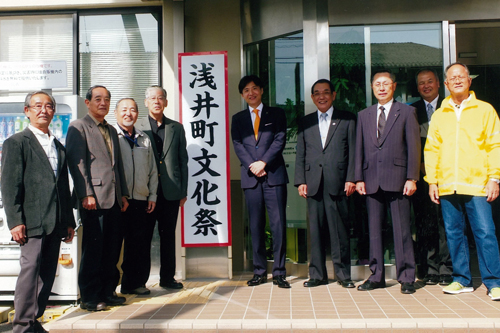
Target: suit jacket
<point>397,158</point>
<point>334,164</point>
<point>93,171</point>
<point>31,193</point>
<point>173,164</point>
<point>423,121</point>
<point>267,148</point>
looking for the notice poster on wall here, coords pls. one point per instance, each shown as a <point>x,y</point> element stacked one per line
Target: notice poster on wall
<point>206,215</point>
<point>33,75</point>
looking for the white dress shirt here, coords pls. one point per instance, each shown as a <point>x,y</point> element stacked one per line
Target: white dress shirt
<point>324,124</point>
<point>48,145</point>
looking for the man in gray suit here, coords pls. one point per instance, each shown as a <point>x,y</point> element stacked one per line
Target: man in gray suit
<point>169,146</point>
<point>36,196</point>
<point>95,162</point>
<point>324,175</point>
<point>387,169</point>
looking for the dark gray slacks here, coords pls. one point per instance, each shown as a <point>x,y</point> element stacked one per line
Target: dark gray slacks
<point>328,218</point>
<point>399,205</point>
<point>431,235</point>
<point>38,261</point>
<point>258,199</point>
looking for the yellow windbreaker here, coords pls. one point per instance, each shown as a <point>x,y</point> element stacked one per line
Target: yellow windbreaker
<point>462,155</point>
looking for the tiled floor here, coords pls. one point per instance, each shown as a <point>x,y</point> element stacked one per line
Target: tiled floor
<point>229,305</point>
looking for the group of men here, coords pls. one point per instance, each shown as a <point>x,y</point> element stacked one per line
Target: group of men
<point>129,176</point>
<point>125,179</point>
<point>380,156</point>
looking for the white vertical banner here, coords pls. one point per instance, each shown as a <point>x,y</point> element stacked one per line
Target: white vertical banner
<point>206,216</point>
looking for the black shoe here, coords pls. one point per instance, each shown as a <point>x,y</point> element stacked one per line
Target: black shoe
<point>39,328</point>
<point>281,281</point>
<point>431,279</point>
<point>172,284</point>
<point>346,283</point>
<point>314,283</point>
<point>407,288</point>
<point>114,300</point>
<point>93,306</point>
<point>370,285</point>
<point>257,279</point>
<point>445,279</point>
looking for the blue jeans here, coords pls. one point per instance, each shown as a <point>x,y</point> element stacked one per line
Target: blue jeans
<point>479,212</point>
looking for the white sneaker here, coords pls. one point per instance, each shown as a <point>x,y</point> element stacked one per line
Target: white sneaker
<point>457,288</point>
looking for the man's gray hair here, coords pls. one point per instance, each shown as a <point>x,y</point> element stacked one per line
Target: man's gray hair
<point>27,100</point>
<point>148,91</point>
<point>456,63</point>
<point>125,99</point>
<point>385,71</point>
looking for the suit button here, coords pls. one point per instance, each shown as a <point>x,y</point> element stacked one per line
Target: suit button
<point>379,148</point>
<point>321,165</point>
<point>161,162</point>
<point>256,147</point>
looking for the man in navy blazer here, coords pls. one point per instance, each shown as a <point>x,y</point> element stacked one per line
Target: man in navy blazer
<point>35,192</point>
<point>432,254</point>
<point>259,137</point>
<point>324,175</point>
<point>387,169</point>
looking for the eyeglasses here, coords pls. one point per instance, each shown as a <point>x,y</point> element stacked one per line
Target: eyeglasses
<point>38,107</point>
<point>456,79</point>
<point>379,85</point>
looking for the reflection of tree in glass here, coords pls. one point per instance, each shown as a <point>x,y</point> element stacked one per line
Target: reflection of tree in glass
<point>350,94</point>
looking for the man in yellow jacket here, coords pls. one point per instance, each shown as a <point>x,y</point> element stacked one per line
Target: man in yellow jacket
<point>462,160</point>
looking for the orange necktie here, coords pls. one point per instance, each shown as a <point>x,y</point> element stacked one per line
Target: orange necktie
<point>256,123</point>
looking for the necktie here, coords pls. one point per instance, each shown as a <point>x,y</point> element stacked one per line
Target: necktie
<point>256,123</point>
<point>430,111</point>
<point>323,128</point>
<point>381,124</point>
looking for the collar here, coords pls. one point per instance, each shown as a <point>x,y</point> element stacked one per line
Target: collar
<point>469,101</point>
<point>328,112</point>
<point>260,107</point>
<point>97,122</point>
<point>433,103</point>
<point>40,133</point>
<point>387,106</point>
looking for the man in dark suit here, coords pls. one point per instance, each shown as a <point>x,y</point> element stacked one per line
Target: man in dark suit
<point>432,252</point>
<point>259,137</point>
<point>387,169</point>
<point>324,175</point>
<point>36,197</point>
<point>95,162</point>
<point>169,146</point>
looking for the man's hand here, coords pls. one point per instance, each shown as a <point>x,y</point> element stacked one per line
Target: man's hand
<point>303,190</point>
<point>257,168</point>
<point>151,207</point>
<point>69,236</point>
<point>360,188</point>
<point>349,188</point>
<point>410,188</point>
<point>124,204</point>
<point>491,190</point>
<point>182,202</point>
<point>89,203</point>
<point>19,234</point>
<point>434,193</point>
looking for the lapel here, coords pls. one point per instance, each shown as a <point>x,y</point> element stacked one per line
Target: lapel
<point>334,124</point>
<point>96,135</point>
<point>372,123</point>
<point>393,116</point>
<point>61,156</point>
<point>38,150</point>
<point>264,118</point>
<point>169,135</point>
<point>311,123</point>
